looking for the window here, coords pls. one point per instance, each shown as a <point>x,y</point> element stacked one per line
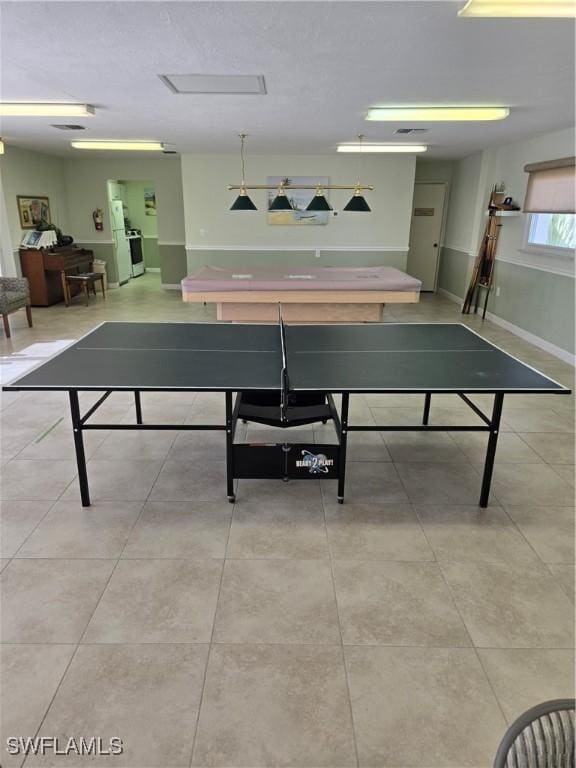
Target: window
<point>552,230</point>
<point>550,239</point>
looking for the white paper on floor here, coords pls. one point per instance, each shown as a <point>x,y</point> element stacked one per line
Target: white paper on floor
<point>16,365</point>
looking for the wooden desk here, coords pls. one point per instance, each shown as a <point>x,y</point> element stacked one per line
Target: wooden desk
<point>46,271</point>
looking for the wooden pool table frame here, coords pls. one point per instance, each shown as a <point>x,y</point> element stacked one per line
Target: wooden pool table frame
<point>302,306</point>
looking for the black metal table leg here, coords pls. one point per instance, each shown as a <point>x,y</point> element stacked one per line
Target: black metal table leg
<point>343,442</point>
<point>426,414</point>
<point>229,450</point>
<point>138,403</point>
<point>79,446</point>
<point>486,302</point>
<point>491,448</point>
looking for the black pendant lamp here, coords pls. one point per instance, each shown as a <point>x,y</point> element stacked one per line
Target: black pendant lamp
<point>243,202</point>
<point>281,202</point>
<point>357,203</point>
<point>319,202</point>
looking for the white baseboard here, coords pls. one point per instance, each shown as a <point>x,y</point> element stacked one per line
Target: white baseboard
<point>171,286</point>
<point>152,269</point>
<point>547,346</point>
<point>451,296</point>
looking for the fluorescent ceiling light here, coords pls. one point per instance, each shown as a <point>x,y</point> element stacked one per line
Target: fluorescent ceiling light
<point>240,84</point>
<point>48,109</point>
<point>131,146</point>
<point>437,114</point>
<point>394,148</point>
<point>519,8</point>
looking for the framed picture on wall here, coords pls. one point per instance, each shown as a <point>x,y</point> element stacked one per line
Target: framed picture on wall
<point>33,210</point>
<point>299,199</point>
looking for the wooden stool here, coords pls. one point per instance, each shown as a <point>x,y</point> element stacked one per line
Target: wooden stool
<point>86,280</point>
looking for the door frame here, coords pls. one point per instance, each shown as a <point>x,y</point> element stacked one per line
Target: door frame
<point>446,185</point>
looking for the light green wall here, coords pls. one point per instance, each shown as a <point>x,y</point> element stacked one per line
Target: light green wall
<point>454,271</point>
<point>86,180</point>
<point>534,298</point>
<point>541,303</point>
<point>151,252</point>
<point>104,251</point>
<point>463,204</point>
<point>172,264</point>
<point>209,223</point>
<point>433,170</point>
<point>148,225</point>
<point>302,258</point>
<point>33,173</point>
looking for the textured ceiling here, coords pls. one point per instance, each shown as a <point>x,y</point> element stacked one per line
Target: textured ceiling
<point>325,63</point>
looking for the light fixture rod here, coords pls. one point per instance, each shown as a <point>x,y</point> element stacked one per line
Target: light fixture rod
<point>300,186</point>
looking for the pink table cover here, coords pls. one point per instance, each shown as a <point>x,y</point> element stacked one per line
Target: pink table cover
<point>300,278</point>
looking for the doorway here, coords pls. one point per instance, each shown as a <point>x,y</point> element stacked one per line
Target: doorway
<point>134,228</point>
<point>426,233</point>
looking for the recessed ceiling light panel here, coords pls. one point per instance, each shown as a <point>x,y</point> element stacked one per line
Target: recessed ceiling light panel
<point>120,146</point>
<point>45,109</point>
<point>437,114</point>
<point>389,148</point>
<point>214,84</point>
<point>519,8</point>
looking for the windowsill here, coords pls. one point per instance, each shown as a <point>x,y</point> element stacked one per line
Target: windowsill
<point>543,259</point>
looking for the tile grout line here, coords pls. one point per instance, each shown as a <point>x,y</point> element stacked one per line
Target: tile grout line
<point>457,609</point>
<point>50,507</point>
<point>342,651</point>
<point>211,641</point>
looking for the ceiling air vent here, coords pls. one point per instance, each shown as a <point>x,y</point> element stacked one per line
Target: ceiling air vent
<point>404,131</point>
<point>69,127</point>
<point>226,84</point>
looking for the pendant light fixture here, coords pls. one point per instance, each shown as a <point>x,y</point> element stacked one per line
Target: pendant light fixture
<point>280,202</point>
<point>242,202</point>
<point>283,203</point>
<point>319,202</point>
<point>357,203</point>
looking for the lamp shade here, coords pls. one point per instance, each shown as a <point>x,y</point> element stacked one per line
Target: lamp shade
<point>243,202</point>
<point>280,202</point>
<point>357,203</point>
<point>319,203</point>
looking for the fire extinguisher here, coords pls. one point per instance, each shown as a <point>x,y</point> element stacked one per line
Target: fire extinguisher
<point>98,217</point>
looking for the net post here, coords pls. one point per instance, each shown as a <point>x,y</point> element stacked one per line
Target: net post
<point>284,381</point>
<point>343,442</point>
<point>229,449</point>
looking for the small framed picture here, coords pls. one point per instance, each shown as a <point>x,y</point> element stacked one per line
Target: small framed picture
<point>33,210</point>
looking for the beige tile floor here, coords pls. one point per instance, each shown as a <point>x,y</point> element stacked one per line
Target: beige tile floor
<point>405,628</point>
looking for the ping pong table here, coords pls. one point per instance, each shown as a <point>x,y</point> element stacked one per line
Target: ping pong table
<point>287,376</point>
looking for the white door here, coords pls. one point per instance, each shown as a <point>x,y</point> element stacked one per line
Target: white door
<point>425,232</point>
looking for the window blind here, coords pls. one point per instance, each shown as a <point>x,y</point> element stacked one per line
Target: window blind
<point>551,187</point>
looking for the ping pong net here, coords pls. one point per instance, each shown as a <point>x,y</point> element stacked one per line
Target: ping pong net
<point>284,380</point>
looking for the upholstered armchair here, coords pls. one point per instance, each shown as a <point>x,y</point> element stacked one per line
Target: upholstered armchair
<point>14,294</point>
